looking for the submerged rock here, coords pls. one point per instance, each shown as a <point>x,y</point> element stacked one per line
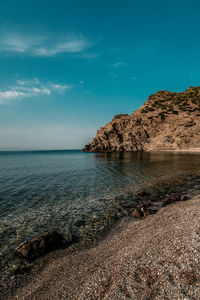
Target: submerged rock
<point>40,245</point>
<point>143,211</point>
<point>143,194</point>
<point>170,200</point>
<point>137,213</point>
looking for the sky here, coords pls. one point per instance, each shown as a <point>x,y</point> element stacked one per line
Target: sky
<point>67,67</point>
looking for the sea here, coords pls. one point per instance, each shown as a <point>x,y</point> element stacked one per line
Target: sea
<point>67,190</point>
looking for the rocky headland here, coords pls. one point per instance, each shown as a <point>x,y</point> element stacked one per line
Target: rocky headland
<point>167,121</point>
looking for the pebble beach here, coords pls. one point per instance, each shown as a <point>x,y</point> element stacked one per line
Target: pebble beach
<point>156,257</point>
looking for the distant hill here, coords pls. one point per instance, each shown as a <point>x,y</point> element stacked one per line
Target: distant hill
<point>167,121</point>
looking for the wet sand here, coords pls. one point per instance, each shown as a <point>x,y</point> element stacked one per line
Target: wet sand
<point>156,257</point>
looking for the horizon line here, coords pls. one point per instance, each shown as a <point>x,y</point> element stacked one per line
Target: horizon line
<point>31,150</point>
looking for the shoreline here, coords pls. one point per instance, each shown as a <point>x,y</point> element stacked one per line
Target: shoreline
<point>161,191</point>
<point>154,256</point>
<point>77,251</point>
<point>190,150</point>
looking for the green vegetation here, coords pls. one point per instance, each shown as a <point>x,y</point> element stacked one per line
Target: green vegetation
<point>175,112</point>
<point>172,103</point>
<point>147,109</point>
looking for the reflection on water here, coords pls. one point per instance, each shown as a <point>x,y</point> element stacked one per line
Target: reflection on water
<point>149,164</point>
<point>45,190</point>
<point>55,183</point>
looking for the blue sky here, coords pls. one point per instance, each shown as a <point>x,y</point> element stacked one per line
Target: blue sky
<point>67,67</point>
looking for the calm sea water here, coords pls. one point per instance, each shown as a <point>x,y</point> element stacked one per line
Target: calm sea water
<point>46,190</point>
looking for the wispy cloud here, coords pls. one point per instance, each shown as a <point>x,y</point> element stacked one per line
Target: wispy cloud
<point>73,46</point>
<point>119,64</point>
<point>31,88</point>
<point>42,45</point>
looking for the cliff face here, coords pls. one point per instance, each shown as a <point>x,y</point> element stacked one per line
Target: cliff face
<point>167,121</point>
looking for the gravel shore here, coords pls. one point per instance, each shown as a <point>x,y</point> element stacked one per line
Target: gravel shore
<point>156,257</point>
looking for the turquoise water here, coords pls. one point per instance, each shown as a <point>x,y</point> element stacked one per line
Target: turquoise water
<point>62,190</point>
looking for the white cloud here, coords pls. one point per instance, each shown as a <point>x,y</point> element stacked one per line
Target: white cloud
<point>61,87</point>
<point>73,46</point>
<point>40,45</point>
<point>7,95</point>
<point>31,88</point>
<point>14,42</point>
<point>119,64</point>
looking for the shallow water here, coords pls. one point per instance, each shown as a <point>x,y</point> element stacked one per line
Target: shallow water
<point>62,190</point>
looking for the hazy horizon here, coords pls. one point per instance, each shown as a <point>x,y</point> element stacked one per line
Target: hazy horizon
<point>35,149</point>
<point>67,67</point>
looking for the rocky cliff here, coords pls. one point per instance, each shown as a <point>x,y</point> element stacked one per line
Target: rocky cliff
<point>167,121</point>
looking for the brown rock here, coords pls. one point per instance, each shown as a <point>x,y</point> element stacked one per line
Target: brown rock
<point>143,194</point>
<point>164,122</point>
<point>146,203</point>
<point>142,212</point>
<point>170,200</point>
<point>149,211</point>
<point>137,213</point>
<point>39,245</point>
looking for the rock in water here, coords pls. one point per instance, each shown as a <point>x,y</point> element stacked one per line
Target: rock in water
<point>140,212</point>
<point>40,245</point>
<point>167,121</point>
